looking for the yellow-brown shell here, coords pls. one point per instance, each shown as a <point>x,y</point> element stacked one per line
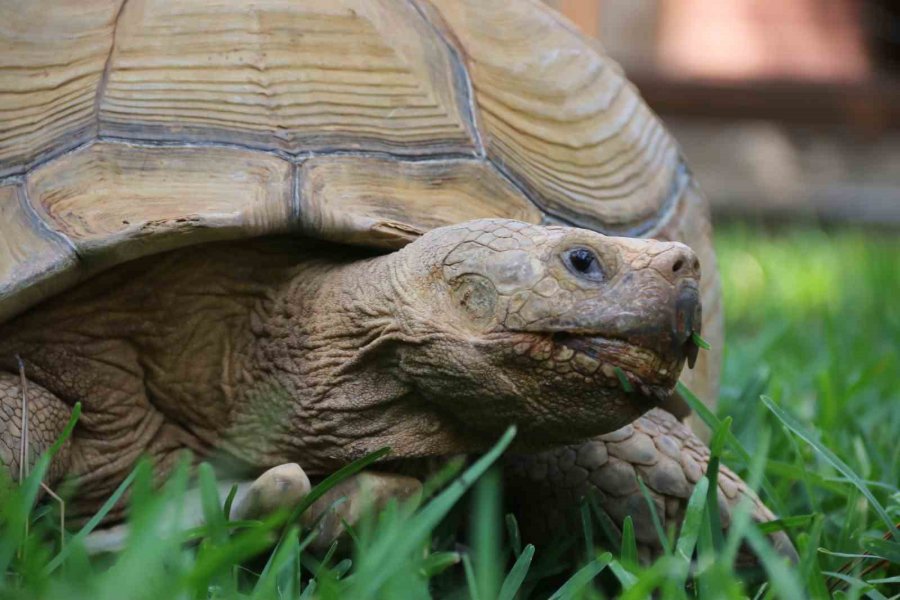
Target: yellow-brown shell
<point>130,127</point>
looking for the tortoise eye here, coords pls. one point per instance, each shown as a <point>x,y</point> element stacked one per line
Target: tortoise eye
<point>583,263</point>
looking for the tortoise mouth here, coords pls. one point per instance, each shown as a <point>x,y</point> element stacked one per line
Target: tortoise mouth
<point>639,372</point>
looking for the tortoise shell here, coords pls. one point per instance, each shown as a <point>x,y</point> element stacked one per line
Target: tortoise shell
<point>131,127</point>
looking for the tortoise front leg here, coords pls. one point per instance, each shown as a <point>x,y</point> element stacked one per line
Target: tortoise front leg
<point>285,486</point>
<point>546,489</point>
<point>47,416</point>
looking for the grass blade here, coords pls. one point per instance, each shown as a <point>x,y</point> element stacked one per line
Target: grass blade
<point>587,527</point>
<point>713,422</point>
<point>883,548</point>
<point>342,568</point>
<point>309,591</point>
<point>781,576</point>
<point>741,517</point>
<point>836,462</point>
<point>219,558</point>
<point>229,501</point>
<point>17,510</point>
<point>712,474</point>
<point>861,586</point>
<point>810,569</point>
<point>654,515</point>
<point>623,380</point>
<point>213,515</point>
<point>471,581</point>
<point>690,528</point>
<point>628,553</point>
<point>582,577</point>
<point>792,522</point>
<point>91,524</point>
<point>700,341</point>
<point>516,575</point>
<point>280,559</point>
<point>515,538</point>
<point>625,577</point>
<point>438,562</point>
<point>387,553</point>
<point>486,533</point>
<point>610,532</point>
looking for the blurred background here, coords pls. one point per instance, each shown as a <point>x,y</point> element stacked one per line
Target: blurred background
<point>784,108</point>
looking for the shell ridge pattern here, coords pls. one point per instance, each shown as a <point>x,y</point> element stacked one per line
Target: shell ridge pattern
<point>561,120</point>
<point>47,227</point>
<point>457,54</point>
<point>293,157</point>
<point>52,64</point>
<point>104,77</point>
<point>520,186</point>
<point>645,228</point>
<point>303,77</point>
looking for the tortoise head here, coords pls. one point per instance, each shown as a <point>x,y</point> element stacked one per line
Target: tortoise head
<point>566,332</point>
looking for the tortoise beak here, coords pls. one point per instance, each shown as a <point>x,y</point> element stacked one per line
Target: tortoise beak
<point>688,317</point>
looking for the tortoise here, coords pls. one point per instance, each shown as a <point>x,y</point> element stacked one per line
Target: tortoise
<point>299,231</point>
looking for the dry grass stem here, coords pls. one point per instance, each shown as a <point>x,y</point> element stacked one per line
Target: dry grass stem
<point>23,439</point>
<point>62,514</point>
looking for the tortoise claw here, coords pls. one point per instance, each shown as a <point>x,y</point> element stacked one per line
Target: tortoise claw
<point>283,486</point>
<point>347,503</point>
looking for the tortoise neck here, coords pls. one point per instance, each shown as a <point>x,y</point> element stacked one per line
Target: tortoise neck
<point>331,340</point>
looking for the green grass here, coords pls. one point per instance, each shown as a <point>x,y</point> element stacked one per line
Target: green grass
<point>813,323</point>
<point>810,413</point>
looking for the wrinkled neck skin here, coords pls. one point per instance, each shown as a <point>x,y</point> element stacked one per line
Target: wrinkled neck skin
<point>331,343</point>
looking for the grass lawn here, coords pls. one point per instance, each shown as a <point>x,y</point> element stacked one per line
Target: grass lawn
<point>811,387</point>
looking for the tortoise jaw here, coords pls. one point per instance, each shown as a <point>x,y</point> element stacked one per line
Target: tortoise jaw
<point>645,376</point>
<point>641,366</point>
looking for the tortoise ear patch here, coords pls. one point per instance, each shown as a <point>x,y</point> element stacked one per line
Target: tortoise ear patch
<point>477,296</point>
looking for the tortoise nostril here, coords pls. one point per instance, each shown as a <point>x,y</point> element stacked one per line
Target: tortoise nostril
<point>675,261</point>
<point>696,264</point>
